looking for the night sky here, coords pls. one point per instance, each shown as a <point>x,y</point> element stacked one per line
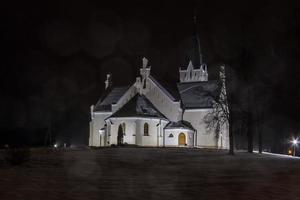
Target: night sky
<point>57,54</point>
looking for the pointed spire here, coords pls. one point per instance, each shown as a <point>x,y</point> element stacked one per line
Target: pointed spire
<point>201,69</point>
<point>196,70</point>
<point>196,36</point>
<point>190,66</point>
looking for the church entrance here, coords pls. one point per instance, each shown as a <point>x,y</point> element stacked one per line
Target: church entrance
<point>120,135</point>
<point>181,139</point>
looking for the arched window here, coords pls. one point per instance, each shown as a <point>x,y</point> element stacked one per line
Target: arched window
<point>120,135</point>
<point>124,128</point>
<point>146,129</point>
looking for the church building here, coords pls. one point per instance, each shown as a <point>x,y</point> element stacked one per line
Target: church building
<point>147,113</point>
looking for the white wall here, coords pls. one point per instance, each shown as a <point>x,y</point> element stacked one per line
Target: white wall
<point>173,141</point>
<point>134,132</point>
<point>95,125</point>
<point>152,139</point>
<point>223,142</point>
<point>130,130</point>
<point>102,137</point>
<point>204,137</point>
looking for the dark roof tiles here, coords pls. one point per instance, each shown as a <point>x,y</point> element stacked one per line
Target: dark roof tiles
<point>193,95</point>
<point>138,106</point>
<point>180,124</point>
<point>111,96</point>
<point>198,94</point>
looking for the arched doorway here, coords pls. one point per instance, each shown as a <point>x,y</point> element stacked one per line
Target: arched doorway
<point>120,135</point>
<point>181,139</point>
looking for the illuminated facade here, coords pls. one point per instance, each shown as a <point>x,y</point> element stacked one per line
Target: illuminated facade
<point>148,114</point>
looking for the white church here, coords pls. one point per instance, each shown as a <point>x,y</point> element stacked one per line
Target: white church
<point>148,114</point>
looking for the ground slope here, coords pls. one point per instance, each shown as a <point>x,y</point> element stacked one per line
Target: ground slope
<point>150,173</point>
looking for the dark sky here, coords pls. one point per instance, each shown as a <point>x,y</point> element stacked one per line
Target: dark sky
<point>58,52</point>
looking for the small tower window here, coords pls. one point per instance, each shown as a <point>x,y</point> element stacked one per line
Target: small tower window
<point>146,129</point>
<point>171,135</point>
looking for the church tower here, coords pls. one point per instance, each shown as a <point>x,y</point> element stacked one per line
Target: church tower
<point>195,73</point>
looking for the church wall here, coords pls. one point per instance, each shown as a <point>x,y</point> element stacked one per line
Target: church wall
<point>204,138</point>
<point>91,133</point>
<point>102,138</point>
<point>162,133</point>
<point>223,142</point>
<point>95,125</point>
<point>162,102</point>
<point>174,141</point>
<point>152,139</point>
<point>130,127</point>
<point>130,135</point>
<point>134,131</point>
<point>113,133</point>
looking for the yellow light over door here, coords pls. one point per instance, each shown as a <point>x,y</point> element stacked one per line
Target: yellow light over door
<point>181,139</point>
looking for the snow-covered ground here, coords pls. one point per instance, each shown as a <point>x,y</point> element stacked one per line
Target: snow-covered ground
<point>151,173</point>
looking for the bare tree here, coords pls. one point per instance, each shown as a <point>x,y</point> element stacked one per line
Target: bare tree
<point>222,114</point>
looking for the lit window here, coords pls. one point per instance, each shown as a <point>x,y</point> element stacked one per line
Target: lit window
<point>146,129</point>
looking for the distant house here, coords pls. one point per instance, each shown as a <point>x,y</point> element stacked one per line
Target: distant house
<point>148,114</point>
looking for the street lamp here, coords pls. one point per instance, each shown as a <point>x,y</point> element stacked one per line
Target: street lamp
<point>295,144</point>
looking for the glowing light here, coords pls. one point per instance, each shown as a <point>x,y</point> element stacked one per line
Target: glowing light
<point>290,152</point>
<point>295,144</point>
<point>295,141</point>
<point>55,145</point>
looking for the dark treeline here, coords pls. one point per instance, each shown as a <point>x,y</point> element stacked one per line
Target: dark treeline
<point>264,87</point>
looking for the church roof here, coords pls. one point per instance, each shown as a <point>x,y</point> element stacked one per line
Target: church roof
<point>168,89</point>
<point>193,95</point>
<point>180,124</point>
<point>110,96</point>
<point>138,106</point>
<point>198,94</point>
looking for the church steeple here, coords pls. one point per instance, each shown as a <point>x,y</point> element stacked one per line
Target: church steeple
<point>196,42</point>
<point>199,72</point>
